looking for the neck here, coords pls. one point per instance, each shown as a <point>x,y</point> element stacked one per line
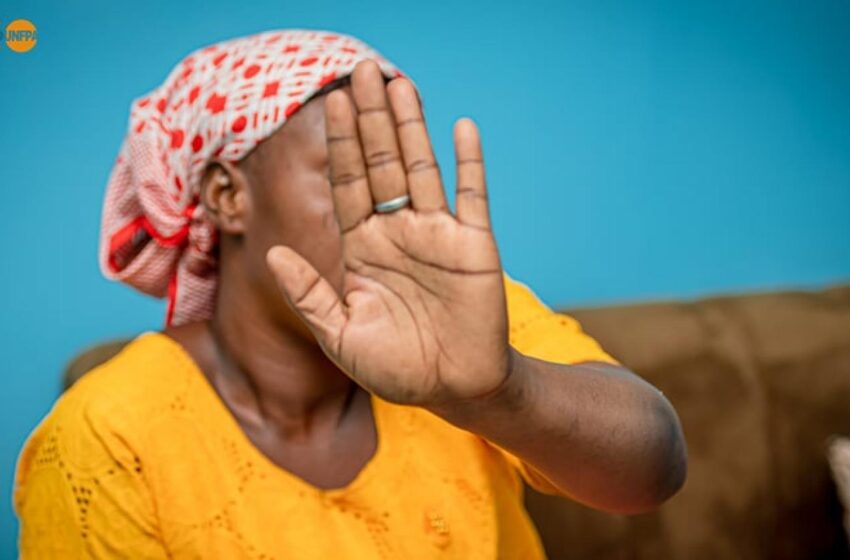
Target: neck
<point>274,372</point>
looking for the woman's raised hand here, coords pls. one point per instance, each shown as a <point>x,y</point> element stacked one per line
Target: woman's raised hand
<point>422,319</point>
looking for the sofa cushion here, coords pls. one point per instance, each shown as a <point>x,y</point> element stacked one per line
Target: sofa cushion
<point>751,377</point>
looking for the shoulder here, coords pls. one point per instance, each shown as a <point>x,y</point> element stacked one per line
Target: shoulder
<point>538,331</point>
<point>523,304</point>
<point>97,424</point>
<point>79,485</point>
<point>148,373</point>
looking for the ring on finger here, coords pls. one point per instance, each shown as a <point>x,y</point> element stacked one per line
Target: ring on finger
<point>393,204</point>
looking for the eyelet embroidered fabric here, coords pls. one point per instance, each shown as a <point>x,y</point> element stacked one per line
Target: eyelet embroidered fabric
<point>140,459</point>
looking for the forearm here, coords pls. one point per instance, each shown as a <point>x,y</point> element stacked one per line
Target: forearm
<point>601,434</point>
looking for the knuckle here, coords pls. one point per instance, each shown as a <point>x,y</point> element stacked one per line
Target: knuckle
<point>422,164</point>
<point>345,178</point>
<point>471,192</point>
<point>381,157</point>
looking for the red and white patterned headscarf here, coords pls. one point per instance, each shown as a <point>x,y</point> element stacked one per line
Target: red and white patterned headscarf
<point>221,100</point>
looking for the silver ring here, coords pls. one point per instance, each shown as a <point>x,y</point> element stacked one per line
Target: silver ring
<point>393,205</point>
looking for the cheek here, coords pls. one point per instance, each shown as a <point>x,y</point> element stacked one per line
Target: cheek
<point>325,241</point>
<point>300,214</point>
<point>323,246</point>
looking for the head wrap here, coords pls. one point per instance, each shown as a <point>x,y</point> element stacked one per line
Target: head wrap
<point>221,100</point>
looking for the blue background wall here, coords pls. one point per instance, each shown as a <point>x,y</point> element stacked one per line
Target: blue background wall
<point>635,150</point>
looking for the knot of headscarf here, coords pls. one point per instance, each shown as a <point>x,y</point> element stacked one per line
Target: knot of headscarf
<point>219,101</point>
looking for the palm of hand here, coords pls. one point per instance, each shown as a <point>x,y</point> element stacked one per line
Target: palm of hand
<point>422,319</point>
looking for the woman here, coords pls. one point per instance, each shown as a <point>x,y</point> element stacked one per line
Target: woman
<point>346,370</point>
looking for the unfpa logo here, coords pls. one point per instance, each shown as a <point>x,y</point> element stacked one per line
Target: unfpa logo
<point>20,35</point>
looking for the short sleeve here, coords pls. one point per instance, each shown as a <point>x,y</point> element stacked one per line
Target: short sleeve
<point>80,489</point>
<point>539,332</point>
<point>531,476</point>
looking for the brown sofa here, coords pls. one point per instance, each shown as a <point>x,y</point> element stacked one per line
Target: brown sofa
<point>760,382</point>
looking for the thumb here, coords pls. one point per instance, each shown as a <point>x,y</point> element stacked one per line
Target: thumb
<point>309,294</point>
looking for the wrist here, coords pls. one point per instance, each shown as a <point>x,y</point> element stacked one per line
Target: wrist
<point>509,398</point>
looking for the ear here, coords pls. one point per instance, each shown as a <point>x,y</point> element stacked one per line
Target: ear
<point>224,194</point>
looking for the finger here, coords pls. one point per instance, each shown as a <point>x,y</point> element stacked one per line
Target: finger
<point>309,294</point>
<point>420,164</point>
<point>471,193</point>
<point>377,133</point>
<point>349,182</point>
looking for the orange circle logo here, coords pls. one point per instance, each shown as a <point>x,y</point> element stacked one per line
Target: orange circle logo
<point>20,35</point>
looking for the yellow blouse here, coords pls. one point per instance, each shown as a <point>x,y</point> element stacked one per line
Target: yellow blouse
<point>141,459</point>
